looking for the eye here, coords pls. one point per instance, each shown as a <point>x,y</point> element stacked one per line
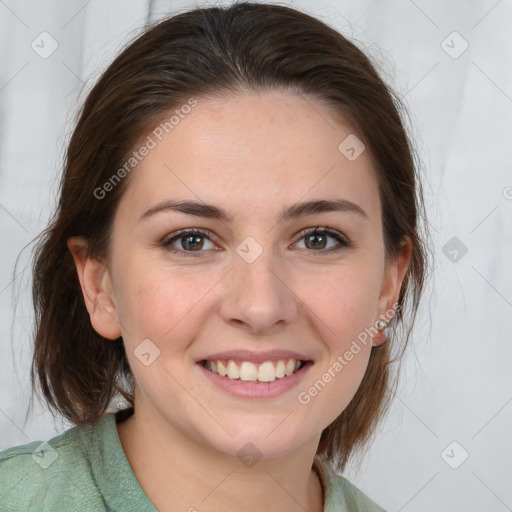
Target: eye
<point>316,239</point>
<point>190,241</point>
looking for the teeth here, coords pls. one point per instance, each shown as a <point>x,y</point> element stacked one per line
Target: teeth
<point>233,371</point>
<point>221,369</point>
<point>247,371</point>
<point>280,369</point>
<point>266,372</point>
<point>290,366</point>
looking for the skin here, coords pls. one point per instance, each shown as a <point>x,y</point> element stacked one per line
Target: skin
<point>253,155</point>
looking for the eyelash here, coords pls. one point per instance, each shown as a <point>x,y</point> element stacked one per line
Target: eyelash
<point>344,242</point>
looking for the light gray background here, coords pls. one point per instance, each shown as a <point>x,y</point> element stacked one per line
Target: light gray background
<point>456,384</point>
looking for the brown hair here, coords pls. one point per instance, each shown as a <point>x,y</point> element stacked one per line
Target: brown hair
<point>200,53</point>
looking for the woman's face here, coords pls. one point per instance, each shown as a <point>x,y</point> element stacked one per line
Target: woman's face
<point>257,289</point>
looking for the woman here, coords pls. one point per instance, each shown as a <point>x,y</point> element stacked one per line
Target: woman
<point>236,235</point>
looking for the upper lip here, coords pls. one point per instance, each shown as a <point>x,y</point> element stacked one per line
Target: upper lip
<point>255,357</point>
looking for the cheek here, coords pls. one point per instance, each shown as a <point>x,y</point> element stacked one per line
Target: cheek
<point>343,301</point>
<point>161,305</point>
<point>326,394</point>
<point>344,305</point>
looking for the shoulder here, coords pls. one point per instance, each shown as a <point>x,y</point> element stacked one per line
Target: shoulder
<point>341,494</point>
<point>50,475</point>
<point>355,498</point>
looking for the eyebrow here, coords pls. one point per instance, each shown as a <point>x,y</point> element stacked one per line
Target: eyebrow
<point>294,211</point>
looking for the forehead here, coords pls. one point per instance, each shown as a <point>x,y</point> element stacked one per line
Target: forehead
<point>245,152</point>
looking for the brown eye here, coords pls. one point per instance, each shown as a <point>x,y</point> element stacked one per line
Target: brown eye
<point>317,240</point>
<point>186,242</point>
<point>192,242</point>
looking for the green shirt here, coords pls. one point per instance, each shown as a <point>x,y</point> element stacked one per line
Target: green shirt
<point>85,469</point>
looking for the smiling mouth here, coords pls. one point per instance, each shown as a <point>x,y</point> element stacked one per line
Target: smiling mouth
<point>267,371</point>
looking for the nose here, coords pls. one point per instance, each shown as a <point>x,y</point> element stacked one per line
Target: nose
<point>258,296</point>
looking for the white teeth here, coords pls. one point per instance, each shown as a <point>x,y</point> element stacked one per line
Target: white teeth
<point>248,371</point>
<point>280,369</point>
<point>221,369</point>
<point>290,367</point>
<point>233,372</point>
<point>267,371</point>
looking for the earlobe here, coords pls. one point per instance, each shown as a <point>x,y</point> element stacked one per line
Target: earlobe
<point>394,274</point>
<point>95,282</point>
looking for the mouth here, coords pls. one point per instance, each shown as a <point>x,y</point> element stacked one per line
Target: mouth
<point>247,371</point>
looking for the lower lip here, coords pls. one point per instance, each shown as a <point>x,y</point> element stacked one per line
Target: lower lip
<point>251,389</point>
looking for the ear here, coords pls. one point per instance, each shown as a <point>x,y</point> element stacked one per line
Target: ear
<point>394,274</point>
<point>96,284</point>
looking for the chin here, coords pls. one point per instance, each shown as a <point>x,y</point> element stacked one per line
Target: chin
<point>263,440</point>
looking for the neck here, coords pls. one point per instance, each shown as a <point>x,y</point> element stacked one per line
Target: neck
<point>178,473</point>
